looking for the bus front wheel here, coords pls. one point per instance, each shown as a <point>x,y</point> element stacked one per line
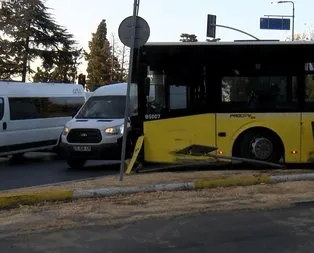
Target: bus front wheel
<point>260,145</point>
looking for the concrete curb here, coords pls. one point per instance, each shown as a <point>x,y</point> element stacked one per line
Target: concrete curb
<point>113,191</point>
<point>15,200</point>
<point>18,199</point>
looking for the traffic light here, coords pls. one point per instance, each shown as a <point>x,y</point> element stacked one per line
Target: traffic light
<point>82,79</point>
<point>211,26</point>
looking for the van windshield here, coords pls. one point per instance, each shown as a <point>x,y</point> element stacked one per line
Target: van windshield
<point>103,107</point>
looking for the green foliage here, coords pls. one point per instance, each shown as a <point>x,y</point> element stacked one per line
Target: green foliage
<point>99,58</point>
<point>62,69</point>
<point>29,32</point>
<point>10,64</point>
<point>103,67</point>
<point>305,36</point>
<point>185,37</point>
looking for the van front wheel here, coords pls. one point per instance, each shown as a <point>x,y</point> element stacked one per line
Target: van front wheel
<point>76,163</point>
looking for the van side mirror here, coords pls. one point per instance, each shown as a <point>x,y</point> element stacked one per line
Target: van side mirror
<point>147,86</point>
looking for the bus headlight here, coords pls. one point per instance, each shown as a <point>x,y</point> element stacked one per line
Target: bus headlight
<point>114,130</point>
<point>66,130</point>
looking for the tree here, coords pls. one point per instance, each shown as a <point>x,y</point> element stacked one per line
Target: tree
<point>9,64</point>
<point>120,55</point>
<point>29,32</point>
<point>103,67</point>
<point>307,35</point>
<point>64,67</point>
<point>185,37</point>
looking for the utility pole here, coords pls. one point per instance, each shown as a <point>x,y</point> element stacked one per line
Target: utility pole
<point>293,15</point>
<point>135,37</point>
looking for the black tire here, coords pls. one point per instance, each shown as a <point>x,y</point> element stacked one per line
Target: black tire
<point>260,145</point>
<point>129,148</point>
<point>18,157</point>
<point>76,163</point>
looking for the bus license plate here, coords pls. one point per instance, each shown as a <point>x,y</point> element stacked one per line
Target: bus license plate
<point>82,148</point>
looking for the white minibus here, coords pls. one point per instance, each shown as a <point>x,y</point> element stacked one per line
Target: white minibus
<point>32,115</point>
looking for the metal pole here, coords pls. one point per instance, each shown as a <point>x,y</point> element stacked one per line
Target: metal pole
<point>126,113</point>
<point>293,16</point>
<point>292,20</point>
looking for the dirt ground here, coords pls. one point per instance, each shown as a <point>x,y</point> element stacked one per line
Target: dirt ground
<point>123,209</point>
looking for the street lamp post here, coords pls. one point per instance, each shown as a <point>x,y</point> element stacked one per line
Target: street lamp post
<point>282,2</point>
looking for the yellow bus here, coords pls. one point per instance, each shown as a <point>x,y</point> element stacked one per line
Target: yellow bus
<point>249,99</point>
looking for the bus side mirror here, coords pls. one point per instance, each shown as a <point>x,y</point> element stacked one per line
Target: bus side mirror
<point>147,86</point>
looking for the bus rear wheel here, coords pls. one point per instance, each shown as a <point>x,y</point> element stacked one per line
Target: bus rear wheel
<point>260,145</point>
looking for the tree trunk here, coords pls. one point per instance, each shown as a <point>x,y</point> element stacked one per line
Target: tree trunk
<point>122,63</point>
<point>25,58</point>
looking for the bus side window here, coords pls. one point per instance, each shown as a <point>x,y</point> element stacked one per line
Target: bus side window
<point>309,93</point>
<point>309,88</point>
<point>260,93</point>
<point>156,101</point>
<point>177,97</point>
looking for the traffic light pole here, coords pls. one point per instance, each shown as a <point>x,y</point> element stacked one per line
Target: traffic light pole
<point>238,30</point>
<point>211,27</point>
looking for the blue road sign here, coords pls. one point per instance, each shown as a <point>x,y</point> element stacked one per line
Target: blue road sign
<point>275,23</point>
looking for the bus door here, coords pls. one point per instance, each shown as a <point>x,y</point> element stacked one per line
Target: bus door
<point>307,133</point>
<point>177,114</point>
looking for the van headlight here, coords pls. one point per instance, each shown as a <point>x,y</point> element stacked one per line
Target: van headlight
<point>114,130</point>
<point>66,130</point>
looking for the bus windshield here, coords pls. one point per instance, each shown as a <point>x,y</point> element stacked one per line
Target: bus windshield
<point>103,107</point>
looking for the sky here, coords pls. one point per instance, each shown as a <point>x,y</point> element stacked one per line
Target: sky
<point>169,18</point>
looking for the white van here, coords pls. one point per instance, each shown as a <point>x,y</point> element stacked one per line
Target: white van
<point>96,131</point>
<point>32,115</point>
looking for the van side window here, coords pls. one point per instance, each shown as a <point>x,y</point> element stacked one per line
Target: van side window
<point>44,107</point>
<point>1,108</point>
<point>24,108</point>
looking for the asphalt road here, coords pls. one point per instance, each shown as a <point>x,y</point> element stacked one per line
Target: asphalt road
<point>289,231</point>
<point>45,168</point>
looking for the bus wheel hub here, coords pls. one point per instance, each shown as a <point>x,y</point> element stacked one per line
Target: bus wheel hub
<point>262,148</point>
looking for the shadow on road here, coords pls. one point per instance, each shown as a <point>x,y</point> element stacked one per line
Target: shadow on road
<point>43,168</point>
<point>217,166</point>
<point>196,167</point>
<point>94,166</point>
<point>40,158</point>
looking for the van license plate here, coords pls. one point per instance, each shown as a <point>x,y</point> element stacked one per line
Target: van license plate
<point>82,148</point>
